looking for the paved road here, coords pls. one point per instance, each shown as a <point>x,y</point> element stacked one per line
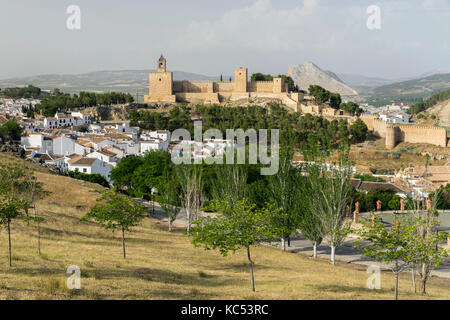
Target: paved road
<point>345,253</point>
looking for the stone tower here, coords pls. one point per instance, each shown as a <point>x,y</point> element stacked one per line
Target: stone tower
<point>161,64</point>
<point>161,84</point>
<point>390,137</point>
<point>240,79</point>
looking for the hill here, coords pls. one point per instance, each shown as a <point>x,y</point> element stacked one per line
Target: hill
<point>426,85</point>
<point>438,114</point>
<point>104,81</point>
<point>309,74</point>
<point>163,265</point>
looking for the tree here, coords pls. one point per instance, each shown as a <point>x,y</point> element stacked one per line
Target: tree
<point>189,177</point>
<point>34,191</point>
<point>388,245</point>
<point>123,172</point>
<point>238,225</point>
<point>335,100</point>
<point>358,130</point>
<point>308,222</point>
<point>116,211</point>
<point>12,203</point>
<point>230,182</point>
<point>331,195</point>
<point>320,94</point>
<point>423,241</point>
<point>282,189</point>
<point>423,237</point>
<point>170,199</point>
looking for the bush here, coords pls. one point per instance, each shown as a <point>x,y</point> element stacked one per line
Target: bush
<point>94,178</point>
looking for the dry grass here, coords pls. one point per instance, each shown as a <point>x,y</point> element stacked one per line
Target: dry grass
<point>163,265</point>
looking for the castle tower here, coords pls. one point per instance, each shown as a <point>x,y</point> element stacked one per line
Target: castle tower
<point>390,137</point>
<point>161,64</point>
<point>160,84</point>
<point>240,79</point>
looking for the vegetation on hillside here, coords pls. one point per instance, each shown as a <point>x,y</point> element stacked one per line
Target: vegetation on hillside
<point>430,102</point>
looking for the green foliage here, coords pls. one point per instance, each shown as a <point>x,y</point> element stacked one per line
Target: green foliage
<point>368,177</point>
<point>62,102</point>
<point>238,225</point>
<point>11,131</point>
<point>320,94</point>
<point>358,131</point>
<point>431,101</point>
<point>351,108</point>
<point>116,211</point>
<point>25,92</point>
<point>93,177</point>
<point>261,77</point>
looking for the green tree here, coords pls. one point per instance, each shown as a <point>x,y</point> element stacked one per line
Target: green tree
<point>359,131</point>
<point>239,225</point>
<point>282,186</point>
<point>388,245</point>
<point>13,185</point>
<point>116,211</point>
<point>332,193</point>
<point>170,199</point>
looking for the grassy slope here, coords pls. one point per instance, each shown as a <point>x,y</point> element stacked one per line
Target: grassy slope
<point>161,265</point>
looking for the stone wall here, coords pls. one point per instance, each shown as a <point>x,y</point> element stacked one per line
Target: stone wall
<point>412,133</point>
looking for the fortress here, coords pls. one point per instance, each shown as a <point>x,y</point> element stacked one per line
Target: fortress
<point>394,133</point>
<point>162,88</point>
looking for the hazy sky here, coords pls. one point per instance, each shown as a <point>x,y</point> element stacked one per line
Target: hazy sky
<point>213,37</point>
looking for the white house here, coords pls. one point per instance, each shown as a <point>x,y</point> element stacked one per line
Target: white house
<point>154,144</point>
<point>90,166</point>
<point>105,156</point>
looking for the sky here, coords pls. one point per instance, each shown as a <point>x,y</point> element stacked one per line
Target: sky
<point>214,37</point>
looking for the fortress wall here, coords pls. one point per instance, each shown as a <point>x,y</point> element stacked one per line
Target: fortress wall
<point>222,86</point>
<point>260,86</point>
<point>197,97</point>
<point>421,134</point>
<point>193,86</point>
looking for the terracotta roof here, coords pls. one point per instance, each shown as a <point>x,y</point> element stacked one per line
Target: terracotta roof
<point>83,161</point>
<point>368,185</point>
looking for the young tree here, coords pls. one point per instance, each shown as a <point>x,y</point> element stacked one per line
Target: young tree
<point>239,225</point>
<point>308,222</point>
<point>230,182</point>
<point>282,188</point>
<point>189,177</point>
<point>170,199</point>
<point>423,241</point>
<point>116,211</point>
<point>34,192</point>
<point>12,203</point>
<point>331,193</point>
<point>388,245</point>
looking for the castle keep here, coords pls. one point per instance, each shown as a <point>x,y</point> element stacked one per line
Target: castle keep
<point>162,88</point>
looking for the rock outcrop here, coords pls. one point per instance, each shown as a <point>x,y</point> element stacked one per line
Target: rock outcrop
<point>309,74</point>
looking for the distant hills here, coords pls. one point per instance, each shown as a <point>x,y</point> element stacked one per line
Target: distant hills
<point>308,73</point>
<point>373,90</point>
<point>123,80</point>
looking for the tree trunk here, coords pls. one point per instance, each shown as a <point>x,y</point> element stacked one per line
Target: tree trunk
<point>413,277</point>
<point>283,244</point>
<point>423,279</point>
<point>251,268</point>
<point>38,230</point>
<point>123,243</point>
<point>9,241</point>
<point>315,249</point>
<point>170,224</point>
<point>333,254</point>
<point>396,285</point>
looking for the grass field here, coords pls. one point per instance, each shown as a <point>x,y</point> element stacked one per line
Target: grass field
<point>163,265</point>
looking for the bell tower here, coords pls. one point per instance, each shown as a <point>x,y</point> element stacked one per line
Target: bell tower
<point>161,64</point>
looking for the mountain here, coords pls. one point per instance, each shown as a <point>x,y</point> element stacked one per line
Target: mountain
<point>359,80</point>
<point>308,73</point>
<point>119,80</point>
<point>426,85</point>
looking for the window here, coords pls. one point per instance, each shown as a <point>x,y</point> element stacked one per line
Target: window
<point>84,170</point>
